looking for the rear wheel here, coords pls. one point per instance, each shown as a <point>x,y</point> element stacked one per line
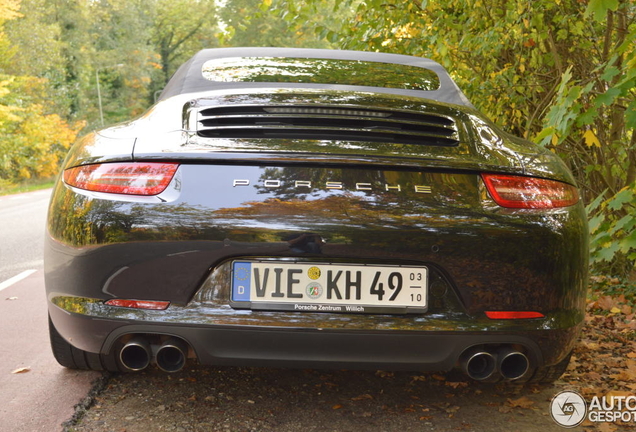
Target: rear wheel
<point>74,358</point>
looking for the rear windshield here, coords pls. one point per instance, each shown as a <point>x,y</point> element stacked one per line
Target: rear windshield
<point>320,71</point>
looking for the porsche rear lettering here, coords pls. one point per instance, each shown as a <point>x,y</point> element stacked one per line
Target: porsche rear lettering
<point>302,184</point>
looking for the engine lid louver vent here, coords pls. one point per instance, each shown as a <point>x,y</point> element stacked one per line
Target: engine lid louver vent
<point>327,123</point>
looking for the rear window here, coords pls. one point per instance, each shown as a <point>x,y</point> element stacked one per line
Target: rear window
<point>320,71</point>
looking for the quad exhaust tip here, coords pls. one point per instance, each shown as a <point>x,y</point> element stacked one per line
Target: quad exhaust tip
<point>481,364</point>
<point>135,354</point>
<point>512,364</point>
<point>171,355</point>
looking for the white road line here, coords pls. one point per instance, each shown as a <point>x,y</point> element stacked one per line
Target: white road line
<point>16,279</point>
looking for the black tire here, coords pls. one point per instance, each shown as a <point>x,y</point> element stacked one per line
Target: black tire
<point>73,358</point>
<point>549,374</point>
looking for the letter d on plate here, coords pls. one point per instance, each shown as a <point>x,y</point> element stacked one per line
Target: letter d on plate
<point>241,281</point>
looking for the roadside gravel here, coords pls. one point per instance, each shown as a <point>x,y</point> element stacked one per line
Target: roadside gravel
<point>288,400</point>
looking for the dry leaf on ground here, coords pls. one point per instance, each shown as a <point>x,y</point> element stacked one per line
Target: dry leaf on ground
<point>522,402</point>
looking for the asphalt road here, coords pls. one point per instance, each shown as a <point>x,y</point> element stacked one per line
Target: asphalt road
<point>44,394</point>
<point>22,219</point>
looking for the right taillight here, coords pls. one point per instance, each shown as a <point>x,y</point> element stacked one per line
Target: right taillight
<point>529,192</point>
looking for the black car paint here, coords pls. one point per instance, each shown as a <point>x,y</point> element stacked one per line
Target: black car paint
<point>177,246</point>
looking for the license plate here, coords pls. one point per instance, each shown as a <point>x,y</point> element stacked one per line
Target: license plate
<point>325,287</point>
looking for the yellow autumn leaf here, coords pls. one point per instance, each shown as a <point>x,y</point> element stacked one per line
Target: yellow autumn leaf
<point>9,9</point>
<point>590,139</point>
<point>555,139</point>
<point>615,310</point>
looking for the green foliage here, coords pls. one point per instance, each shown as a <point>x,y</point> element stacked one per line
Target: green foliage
<point>258,23</point>
<point>179,29</point>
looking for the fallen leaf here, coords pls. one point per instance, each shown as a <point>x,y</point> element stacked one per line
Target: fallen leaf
<point>631,355</point>
<point>336,407</point>
<point>522,402</point>
<point>21,370</point>
<point>591,345</point>
<point>362,397</point>
<point>456,384</point>
<point>631,365</point>
<point>622,376</point>
<point>615,393</point>
<point>452,410</point>
<point>606,303</point>
<point>426,417</point>
<point>606,427</point>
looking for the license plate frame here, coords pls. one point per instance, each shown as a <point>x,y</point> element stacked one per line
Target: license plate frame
<point>329,287</point>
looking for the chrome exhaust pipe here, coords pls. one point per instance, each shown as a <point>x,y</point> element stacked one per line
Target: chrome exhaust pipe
<point>478,364</point>
<point>135,355</point>
<point>171,355</point>
<point>512,364</point>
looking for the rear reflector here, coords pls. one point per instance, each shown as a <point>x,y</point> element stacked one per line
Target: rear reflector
<point>139,304</point>
<point>529,192</point>
<point>513,314</point>
<point>131,178</point>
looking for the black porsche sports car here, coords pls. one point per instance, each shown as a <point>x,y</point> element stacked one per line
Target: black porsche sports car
<point>315,208</point>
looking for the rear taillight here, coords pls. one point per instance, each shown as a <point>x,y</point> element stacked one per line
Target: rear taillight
<point>529,192</point>
<point>132,178</point>
<point>139,304</point>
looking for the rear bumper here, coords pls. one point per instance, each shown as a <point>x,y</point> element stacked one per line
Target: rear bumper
<point>277,346</point>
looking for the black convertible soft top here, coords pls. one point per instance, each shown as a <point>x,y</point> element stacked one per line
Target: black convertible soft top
<point>189,77</point>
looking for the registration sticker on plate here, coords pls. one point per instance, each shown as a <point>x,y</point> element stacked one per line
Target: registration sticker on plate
<point>327,287</point>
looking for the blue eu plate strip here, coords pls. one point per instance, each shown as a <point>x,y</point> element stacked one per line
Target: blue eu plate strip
<point>242,281</point>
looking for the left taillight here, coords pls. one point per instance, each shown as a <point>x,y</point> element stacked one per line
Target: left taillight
<point>132,178</point>
<point>529,192</point>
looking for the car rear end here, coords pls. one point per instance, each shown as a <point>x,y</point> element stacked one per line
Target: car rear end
<point>268,228</point>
